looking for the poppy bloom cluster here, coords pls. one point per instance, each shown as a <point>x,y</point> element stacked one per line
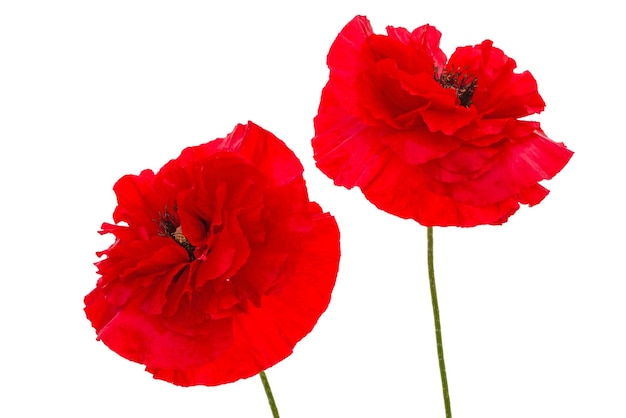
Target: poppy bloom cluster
<point>220,264</point>
<point>433,139</point>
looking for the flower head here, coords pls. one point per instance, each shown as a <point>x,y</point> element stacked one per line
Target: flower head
<point>220,264</point>
<point>431,139</point>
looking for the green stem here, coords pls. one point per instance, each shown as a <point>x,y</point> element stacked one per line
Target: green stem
<point>268,393</point>
<point>433,296</point>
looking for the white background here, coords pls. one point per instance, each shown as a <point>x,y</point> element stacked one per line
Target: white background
<point>533,312</point>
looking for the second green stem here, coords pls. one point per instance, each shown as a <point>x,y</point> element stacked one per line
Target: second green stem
<point>433,296</point>
<point>268,393</point>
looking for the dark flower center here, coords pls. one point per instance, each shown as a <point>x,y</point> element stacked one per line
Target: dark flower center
<point>463,84</point>
<point>169,226</point>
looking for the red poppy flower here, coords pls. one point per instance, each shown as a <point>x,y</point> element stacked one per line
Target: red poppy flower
<point>220,264</point>
<point>435,140</point>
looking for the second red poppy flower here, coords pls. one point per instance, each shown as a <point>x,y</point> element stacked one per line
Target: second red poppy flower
<point>439,141</point>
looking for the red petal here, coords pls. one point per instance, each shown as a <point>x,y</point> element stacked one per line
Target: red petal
<point>403,191</point>
<point>500,92</point>
<point>385,124</point>
<point>263,336</point>
<point>533,195</point>
<point>144,339</point>
<point>228,254</point>
<point>239,208</point>
<point>345,55</point>
<point>262,149</point>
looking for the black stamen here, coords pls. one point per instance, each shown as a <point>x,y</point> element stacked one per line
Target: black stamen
<point>169,226</point>
<point>463,84</point>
